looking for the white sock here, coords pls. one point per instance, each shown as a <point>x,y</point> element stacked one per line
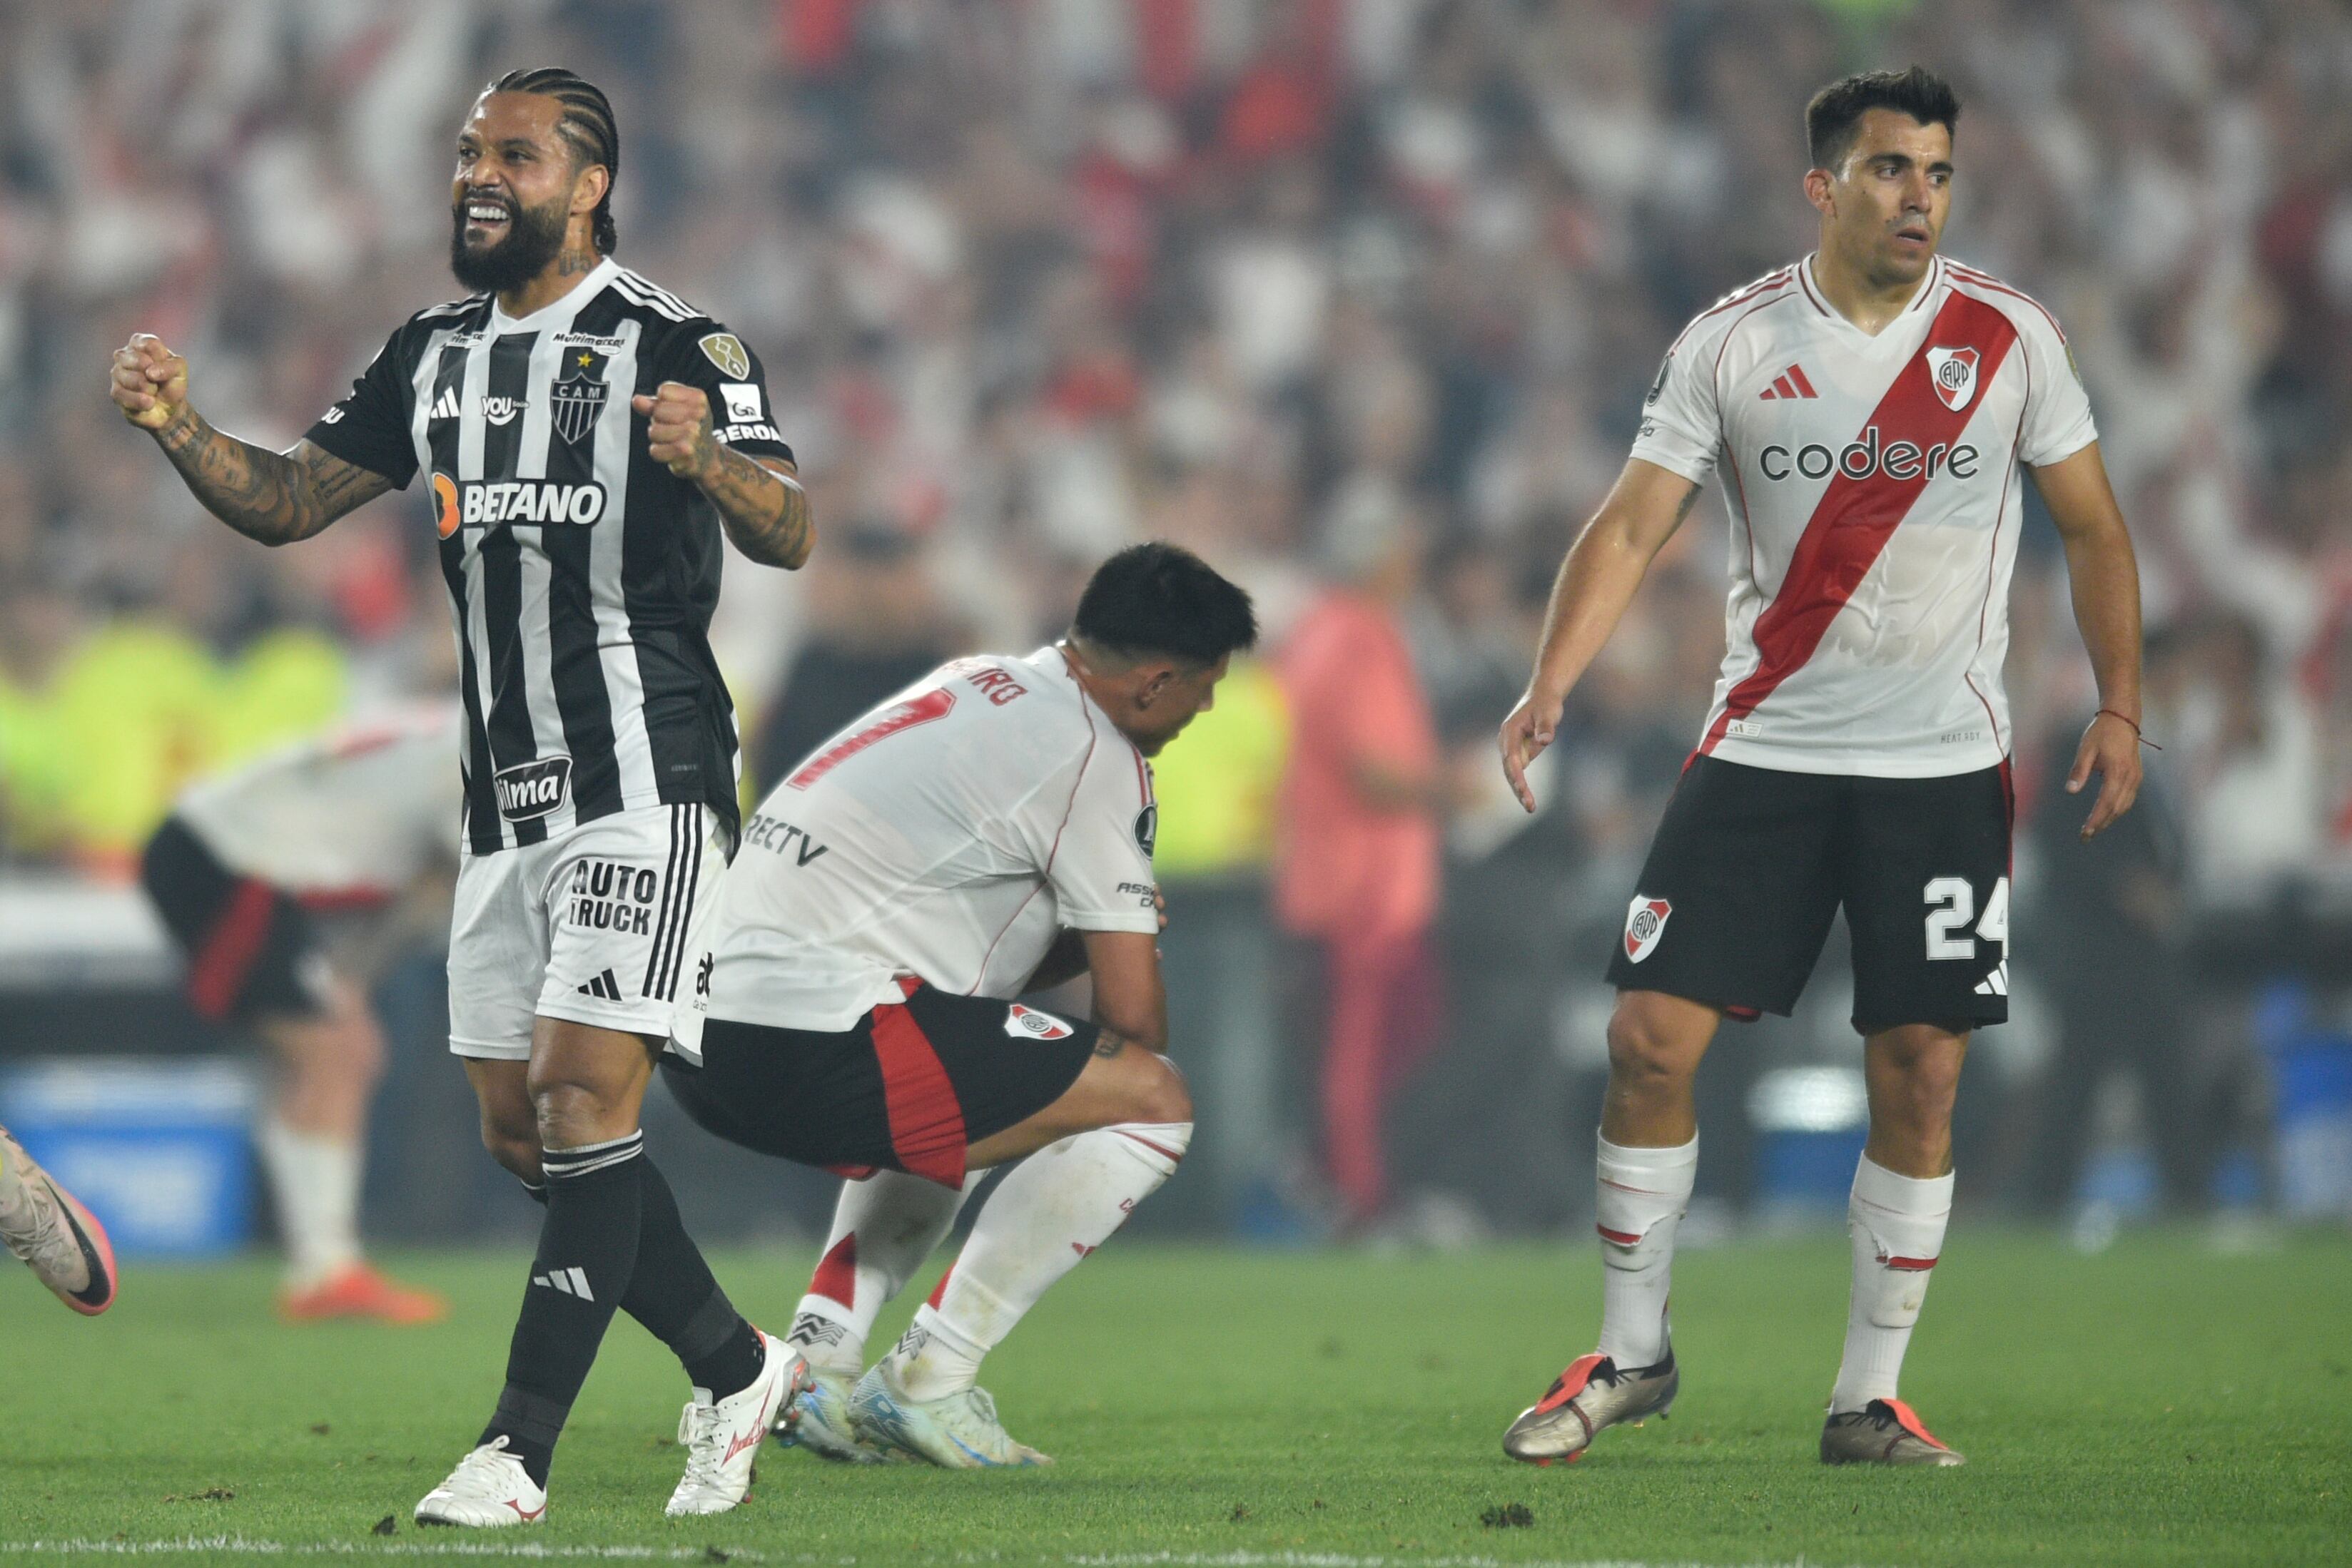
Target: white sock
<point>1897,1223</point>
<point>883,1229</point>
<point>1641,1193</point>
<point>1055,1208</point>
<point>315,1181</point>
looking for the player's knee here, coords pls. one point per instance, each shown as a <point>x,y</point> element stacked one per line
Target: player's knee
<point>569,1115</point>
<point>514,1143</point>
<point>1922,1080</point>
<point>1644,1054</point>
<point>518,1157</point>
<point>1164,1097</point>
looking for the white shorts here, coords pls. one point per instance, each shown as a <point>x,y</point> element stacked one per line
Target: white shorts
<point>591,926</point>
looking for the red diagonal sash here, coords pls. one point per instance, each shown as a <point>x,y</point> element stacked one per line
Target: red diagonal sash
<point>1855,517</point>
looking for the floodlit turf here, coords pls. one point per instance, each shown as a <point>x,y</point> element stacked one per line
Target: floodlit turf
<point>2155,1403</point>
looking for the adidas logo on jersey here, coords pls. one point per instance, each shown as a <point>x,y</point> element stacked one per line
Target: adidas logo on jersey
<point>570,1281</point>
<point>604,988</point>
<point>1790,383</point>
<point>446,405</point>
<point>1996,983</point>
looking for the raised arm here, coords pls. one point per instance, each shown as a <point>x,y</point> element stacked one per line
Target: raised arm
<point>276,497</point>
<point>759,499</point>
<point>2104,579</point>
<point>1603,570</point>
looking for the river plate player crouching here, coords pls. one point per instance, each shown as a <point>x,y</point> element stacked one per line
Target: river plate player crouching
<point>583,437</point>
<point>986,833</point>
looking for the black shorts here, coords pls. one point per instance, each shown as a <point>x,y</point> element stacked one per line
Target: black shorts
<point>910,1089</point>
<point>1750,864</point>
<point>252,951</point>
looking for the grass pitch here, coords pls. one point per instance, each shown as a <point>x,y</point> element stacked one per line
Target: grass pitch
<point>2153,1403</point>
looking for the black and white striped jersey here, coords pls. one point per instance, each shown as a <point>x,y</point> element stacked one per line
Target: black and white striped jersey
<point>582,573</point>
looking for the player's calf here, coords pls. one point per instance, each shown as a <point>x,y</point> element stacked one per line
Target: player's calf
<point>1048,1215</point>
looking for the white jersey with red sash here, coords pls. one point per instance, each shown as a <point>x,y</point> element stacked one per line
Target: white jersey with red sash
<point>1874,501</point>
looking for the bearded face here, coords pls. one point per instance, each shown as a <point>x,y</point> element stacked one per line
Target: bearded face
<point>497,245</point>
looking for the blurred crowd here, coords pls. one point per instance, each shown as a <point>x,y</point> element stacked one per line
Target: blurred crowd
<point>1356,298</point>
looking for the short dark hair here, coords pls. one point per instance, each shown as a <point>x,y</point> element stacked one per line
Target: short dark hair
<point>1162,599</point>
<point>588,126</point>
<point>1836,111</point>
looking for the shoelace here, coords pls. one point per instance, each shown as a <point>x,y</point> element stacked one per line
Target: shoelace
<point>44,1230</point>
<point>478,1472</point>
<point>1875,1414</point>
<point>698,1431</point>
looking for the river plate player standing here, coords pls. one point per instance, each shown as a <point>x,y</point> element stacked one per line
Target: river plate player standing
<point>1867,407</point>
<point>584,437</point>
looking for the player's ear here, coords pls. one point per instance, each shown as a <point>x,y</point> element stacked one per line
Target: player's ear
<point>1818,191</point>
<point>588,188</point>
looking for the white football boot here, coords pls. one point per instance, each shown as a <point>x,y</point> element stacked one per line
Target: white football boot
<point>722,1439</point>
<point>488,1490</point>
<point>825,1427</point>
<point>959,1432</point>
<point>60,1240</point>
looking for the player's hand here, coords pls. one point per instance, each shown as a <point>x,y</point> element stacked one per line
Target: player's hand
<point>150,382</point>
<point>1160,904</point>
<point>680,438</point>
<point>2110,748</point>
<point>1525,735</point>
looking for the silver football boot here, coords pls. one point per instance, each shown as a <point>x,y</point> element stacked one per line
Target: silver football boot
<point>824,1426</point>
<point>1591,1395</point>
<point>958,1431</point>
<point>1883,1432</point>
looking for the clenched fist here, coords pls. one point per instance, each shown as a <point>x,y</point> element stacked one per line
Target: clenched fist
<point>680,438</point>
<point>150,384</point>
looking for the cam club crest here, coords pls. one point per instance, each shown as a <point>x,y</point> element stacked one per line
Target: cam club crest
<point>1954,373</point>
<point>578,394</point>
<point>1645,922</point>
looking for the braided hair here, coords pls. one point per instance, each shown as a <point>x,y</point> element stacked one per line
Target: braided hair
<point>587,124</point>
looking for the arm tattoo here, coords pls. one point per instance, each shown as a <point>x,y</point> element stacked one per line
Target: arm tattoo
<point>1690,500</point>
<point>1108,1044</point>
<point>276,497</point>
<point>766,514</point>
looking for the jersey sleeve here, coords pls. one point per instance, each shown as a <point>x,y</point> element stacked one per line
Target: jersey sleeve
<point>1100,870</point>
<point>370,427</point>
<point>1682,431</point>
<point>704,354</point>
<point>2057,410</point>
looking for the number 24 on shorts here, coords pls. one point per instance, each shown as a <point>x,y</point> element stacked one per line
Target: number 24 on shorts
<point>1951,904</point>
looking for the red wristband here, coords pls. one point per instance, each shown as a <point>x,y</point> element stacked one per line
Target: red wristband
<point>2144,740</point>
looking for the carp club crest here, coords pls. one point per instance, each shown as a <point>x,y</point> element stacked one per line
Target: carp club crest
<point>1954,373</point>
<point>1645,922</point>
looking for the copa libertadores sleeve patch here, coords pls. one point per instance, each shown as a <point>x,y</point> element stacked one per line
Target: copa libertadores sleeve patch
<point>726,350</point>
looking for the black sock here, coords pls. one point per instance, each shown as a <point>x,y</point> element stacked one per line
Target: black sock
<point>587,1254</point>
<point>675,1296</point>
